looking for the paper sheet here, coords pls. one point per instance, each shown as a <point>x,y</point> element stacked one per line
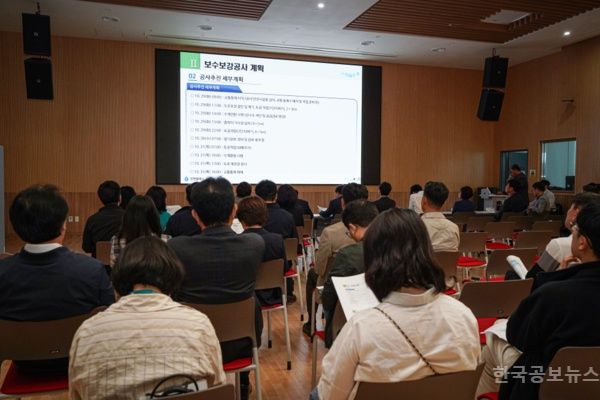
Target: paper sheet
<point>498,329</point>
<point>354,294</point>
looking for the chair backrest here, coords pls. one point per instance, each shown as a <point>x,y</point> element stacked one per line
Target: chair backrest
<point>496,299</point>
<point>462,216</point>
<point>535,239</point>
<point>41,340</point>
<point>497,264</point>
<point>339,319</point>
<point>447,260</point>
<point>477,224</point>
<point>523,222</point>
<point>291,249</point>
<point>500,230</point>
<point>572,363</point>
<point>472,242</point>
<point>221,392</point>
<point>5,255</point>
<point>508,214</point>
<point>103,252</point>
<point>552,226</point>
<point>270,275</point>
<point>232,320</point>
<point>456,386</point>
<point>308,227</point>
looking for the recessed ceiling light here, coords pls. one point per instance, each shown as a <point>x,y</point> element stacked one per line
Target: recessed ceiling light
<point>439,49</point>
<point>367,42</point>
<point>205,27</point>
<point>567,33</point>
<point>108,18</point>
<point>321,5</point>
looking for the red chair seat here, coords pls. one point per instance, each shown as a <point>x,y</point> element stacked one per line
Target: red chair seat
<point>535,259</point>
<point>469,262</point>
<point>497,246</point>
<point>497,278</point>
<point>15,383</point>
<point>320,334</point>
<point>483,324</point>
<point>488,396</point>
<point>270,306</point>
<point>450,292</point>
<point>237,364</point>
<point>291,272</point>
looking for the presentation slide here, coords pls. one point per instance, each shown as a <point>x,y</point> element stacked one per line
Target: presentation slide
<point>249,119</point>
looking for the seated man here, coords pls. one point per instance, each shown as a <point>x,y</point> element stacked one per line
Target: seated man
<point>444,234</point>
<point>384,202</point>
<point>516,174</point>
<point>45,280</point>
<point>415,198</point>
<point>550,198</point>
<point>333,238</point>
<point>182,222</point>
<point>539,205</point>
<point>464,204</point>
<point>114,357</point>
<point>515,201</point>
<point>558,313</point>
<point>220,266</point>
<point>357,216</point>
<point>335,205</point>
<point>104,224</point>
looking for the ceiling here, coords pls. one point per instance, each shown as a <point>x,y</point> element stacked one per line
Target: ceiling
<point>341,29</point>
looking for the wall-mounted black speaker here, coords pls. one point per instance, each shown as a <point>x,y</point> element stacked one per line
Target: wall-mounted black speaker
<point>38,76</point>
<point>36,34</point>
<point>494,72</point>
<point>490,104</point>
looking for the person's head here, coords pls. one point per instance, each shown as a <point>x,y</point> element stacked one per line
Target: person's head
<point>140,219</point>
<point>149,262</point>
<point>127,192</point>
<point>385,188</point>
<point>466,192</point>
<point>213,202</point>
<point>538,189</point>
<point>515,170</point>
<point>512,186</point>
<point>38,214</point>
<point>435,195</point>
<point>416,188</point>
<point>252,211</point>
<point>287,196</point>
<point>579,201</point>
<point>586,233</point>
<point>591,187</point>
<point>338,190</point>
<point>243,189</point>
<point>188,192</point>
<point>159,196</point>
<point>353,191</point>
<point>546,183</point>
<point>266,190</point>
<point>109,192</point>
<point>357,216</point>
<point>398,254</point>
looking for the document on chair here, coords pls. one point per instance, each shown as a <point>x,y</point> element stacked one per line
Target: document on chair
<point>354,294</point>
<point>498,329</point>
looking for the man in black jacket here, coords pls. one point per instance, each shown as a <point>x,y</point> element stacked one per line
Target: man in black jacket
<point>104,224</point>
<point>515,202</point>
<point>182,222</point>
<point>384,202</point>
<point>335,205</point>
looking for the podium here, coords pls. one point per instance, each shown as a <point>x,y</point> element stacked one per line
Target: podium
<point>494,202</point>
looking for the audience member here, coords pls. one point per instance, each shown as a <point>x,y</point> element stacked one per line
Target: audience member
<point>416,331</point>
<point>111,357</point>
<point>539,205</point>
<point>414,200</point>
<point>220,265</point>
<point>517,174</point>
<point>127,192</point>
<point>252,213</point>
<point>306,210</point>
<point>140,219</point>
<point>287,198</point>
<point>444,234</point>
<point>384,202</point>
<point>182,222</point>
<point>335,205</point>
<point>592,187</point>
<point>159,196</point>
<point>515,201</point>
<point>558,313</point>
<point>333,239</point>
<point>357,216</point>
<point>242,190</point>
<point>104,224</point>
<point>464,204</point>
<point>550,198</point>
<point>45,280</point>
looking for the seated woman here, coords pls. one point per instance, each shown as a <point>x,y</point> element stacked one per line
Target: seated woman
<point>416,331</point>
<point>140,219</point>
<point>123,352</point>
<point>159,196</point>
<point>464,204</point>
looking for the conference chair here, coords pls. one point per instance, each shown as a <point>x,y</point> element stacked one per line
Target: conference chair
<point>477,224</point>
<point>497,264</point>
<point>508,214</point>
<point>501,233</point>
<point>103,251</point>
<point>474,254</point>
<point>291,250</point>
<point>523,222</point>
<point>535,239</point>
<point>43,340</point>
<point>268,276</point>
<point>315,334</point>
<point>552,226</point>
<point>234,321</point>
<point>492,300</point>
<point>461,218</point>
<point>448,261</point>
<point>221,392</point>
<point>456,386</point>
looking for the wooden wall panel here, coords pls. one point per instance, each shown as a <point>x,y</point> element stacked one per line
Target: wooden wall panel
<point>101,123</point>
<point>533,109</point>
